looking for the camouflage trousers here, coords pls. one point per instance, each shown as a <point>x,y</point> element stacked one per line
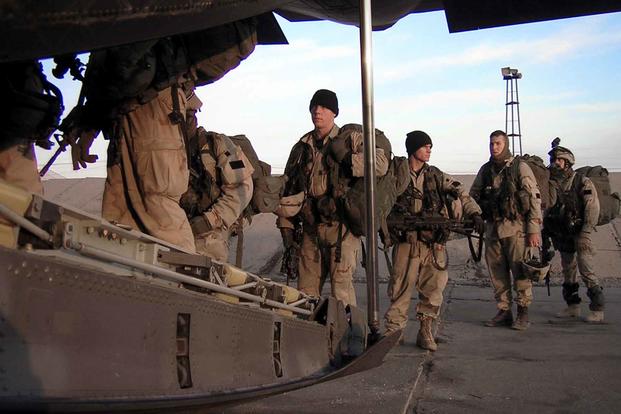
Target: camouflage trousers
<point>504,259</point>
<point>148,173</point>
<point>18,166</point>
<point>413,267</point>
<point>582,261</point>
<point>318,261</point>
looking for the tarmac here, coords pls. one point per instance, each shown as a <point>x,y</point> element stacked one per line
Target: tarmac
<point>556,366</point>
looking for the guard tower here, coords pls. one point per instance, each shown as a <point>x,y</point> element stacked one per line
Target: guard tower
<point>512,107</point>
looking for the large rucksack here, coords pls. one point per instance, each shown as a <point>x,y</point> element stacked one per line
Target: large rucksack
<point>387,187</point>
<point>608,202</point>
<point>542,176</point>
<point>267,189</point>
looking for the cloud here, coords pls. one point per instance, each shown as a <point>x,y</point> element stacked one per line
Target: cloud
<point>566,43</point>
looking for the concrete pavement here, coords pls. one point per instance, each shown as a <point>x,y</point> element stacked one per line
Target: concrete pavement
<point>557,366</point>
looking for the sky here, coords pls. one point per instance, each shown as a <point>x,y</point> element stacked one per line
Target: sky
<point>425,78</point>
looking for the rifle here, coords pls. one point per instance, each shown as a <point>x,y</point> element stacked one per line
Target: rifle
<point>62,146</point>
<point>291,256</point>
<point>465,227</point>
<point>546,256</point>
<point>71,121</point>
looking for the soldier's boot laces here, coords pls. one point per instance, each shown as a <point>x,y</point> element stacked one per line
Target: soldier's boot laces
<point>595,317</point>
<point>521,323</point>
<point>424,339</point>
<point>504,317</point>
<point>571,311</point>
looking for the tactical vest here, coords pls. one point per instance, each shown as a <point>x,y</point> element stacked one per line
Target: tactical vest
<point>504,202</point>
<point>566,217</point>
<point>204,188</point>
<point>434,204</point>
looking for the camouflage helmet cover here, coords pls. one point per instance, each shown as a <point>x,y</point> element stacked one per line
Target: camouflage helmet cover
<point>561,152</point>
<point>535,268</point>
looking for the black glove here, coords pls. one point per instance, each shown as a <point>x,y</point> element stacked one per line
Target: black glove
<point>479,224</point>
<point>340,150</point>
<point>200,225</point>
<point>288,238</point>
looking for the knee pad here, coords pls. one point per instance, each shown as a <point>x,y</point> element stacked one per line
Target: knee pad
<point>570,293</point>
<point>596,294</point>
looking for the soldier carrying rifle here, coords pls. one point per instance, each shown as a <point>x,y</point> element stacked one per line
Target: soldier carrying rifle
<point>419,253</point>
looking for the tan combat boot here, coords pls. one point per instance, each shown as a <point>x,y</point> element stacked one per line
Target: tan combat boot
<point>504,317</point>
<point>595,317</point>
<point>571,311</point>
<point>424,339</point>
<point>521,323</point>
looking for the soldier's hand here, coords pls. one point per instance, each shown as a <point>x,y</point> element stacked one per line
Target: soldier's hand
<point>200,225</point>
<point>81,141</point>
<point>340,150</point>
<point>533,239</point>
<point>479,224</point>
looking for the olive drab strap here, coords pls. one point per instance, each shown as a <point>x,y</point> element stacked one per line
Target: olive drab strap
<point>177,118</point>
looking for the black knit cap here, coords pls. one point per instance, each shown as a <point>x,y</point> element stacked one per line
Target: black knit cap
<point>325,98</point>
<point>415,140</point>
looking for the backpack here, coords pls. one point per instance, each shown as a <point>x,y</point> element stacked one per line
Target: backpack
<point>542,176</point>
<point>266,188</point>
<point>387,187</point>
<point>608,202</point>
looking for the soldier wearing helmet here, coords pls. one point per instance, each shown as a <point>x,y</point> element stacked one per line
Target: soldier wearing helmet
<point>570,223</point>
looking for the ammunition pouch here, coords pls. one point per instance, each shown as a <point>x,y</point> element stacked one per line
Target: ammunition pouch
<point>327,210</point>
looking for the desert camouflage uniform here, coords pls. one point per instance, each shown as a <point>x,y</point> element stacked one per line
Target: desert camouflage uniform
<point>18,166</point>
<point>505,239</point>
<point>232,172</point>
<point>148,172</point>
<point>320,238</point>
<point>413,259</point>
<point>577,249</point>
<point>24,98</point>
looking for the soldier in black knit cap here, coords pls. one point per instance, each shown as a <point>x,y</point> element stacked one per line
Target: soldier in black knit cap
<point>327,246</point>
<point>419,256</point>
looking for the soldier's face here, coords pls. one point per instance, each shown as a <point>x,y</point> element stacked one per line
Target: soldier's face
<point>496,146</point>
<point>560,163</point>
<point>423,154</point>
<point>322,117</point>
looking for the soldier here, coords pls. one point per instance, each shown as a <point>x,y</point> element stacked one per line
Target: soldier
<point>570,224</point>
<point>142,115</point>
<point>506,190</point>
<point>419,257</point>
<point>31,109</point>
<point>220,186</point>
<point>328,248</point>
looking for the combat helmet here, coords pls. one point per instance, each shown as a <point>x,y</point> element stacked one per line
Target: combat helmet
<point>535,268</point>
<point>561,152</point>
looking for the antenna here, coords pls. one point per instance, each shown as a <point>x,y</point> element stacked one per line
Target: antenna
<point>512,124</point>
